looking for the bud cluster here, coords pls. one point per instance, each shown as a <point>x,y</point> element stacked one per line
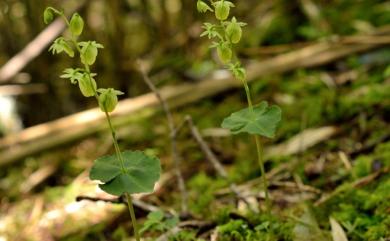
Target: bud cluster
<point>225,34</point>
<point>88,52</point>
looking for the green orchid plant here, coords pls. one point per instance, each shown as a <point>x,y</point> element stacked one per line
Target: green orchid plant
<point>124,173</point>
<point>257,120</point>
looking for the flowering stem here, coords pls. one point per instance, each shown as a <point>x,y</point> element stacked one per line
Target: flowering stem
<point>259,150</point>
<point>132,214</point>
<point>113,133</point>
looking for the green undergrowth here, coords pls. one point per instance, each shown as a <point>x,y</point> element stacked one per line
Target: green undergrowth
<point>202,189</point>
<point>359,108</point>
<point>364,211</point>
<point>258,227</point>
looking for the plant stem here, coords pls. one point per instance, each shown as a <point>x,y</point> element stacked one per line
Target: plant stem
<point>257,140</point>
<point>128,196</point>
<point>259,150</point>
<point>262,169</point>
<point>113,133</point>
<point>114,140</point>
<point>132,214</point>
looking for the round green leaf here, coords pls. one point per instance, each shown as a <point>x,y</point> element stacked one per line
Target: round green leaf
<point>141,173</point>
<point>262,120</point>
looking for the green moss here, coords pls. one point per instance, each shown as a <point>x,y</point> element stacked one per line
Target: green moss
<point>264,230</point>
<point>185,235</point>
<point>374,95</point>
<point>202,188</point>
<point>364,211</point>
<point>362,167</point>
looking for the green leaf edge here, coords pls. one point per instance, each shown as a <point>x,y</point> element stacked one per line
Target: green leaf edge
<point>105,186</point>
<point>263,103</point>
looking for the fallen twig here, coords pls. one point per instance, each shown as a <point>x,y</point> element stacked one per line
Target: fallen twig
<point>173,136</point>
<point>358,183</point>
<point>137,203</point>
<point>34,48</point>
<point>22,89</point>
<point>210,156</point>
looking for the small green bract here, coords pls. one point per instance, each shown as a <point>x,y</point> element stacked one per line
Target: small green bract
<point>140,176</point>
<point>61,45</point>
<point>203,7</point>
<point>263,120</point>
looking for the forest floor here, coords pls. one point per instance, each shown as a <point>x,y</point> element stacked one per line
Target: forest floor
<point>328,169</point>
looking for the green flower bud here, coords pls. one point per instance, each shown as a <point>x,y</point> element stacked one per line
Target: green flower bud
<point>76,24</point>
<point>240,74</point>
<point>222,9</point>
<point>203,7</point>
<point>224,53</point>
<point>234,31</point>
<point>48,16</point>
<point>87,85</point>
<point>88,54</point>
<point>108,99</point>
<point>89,51</point>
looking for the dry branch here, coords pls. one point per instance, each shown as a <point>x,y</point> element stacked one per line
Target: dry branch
<point>34,48</point>
<point>173,135</point>
<point>31,51</point>
<point>77,126</point>
<point>7,90</point>
<point>210,156</point>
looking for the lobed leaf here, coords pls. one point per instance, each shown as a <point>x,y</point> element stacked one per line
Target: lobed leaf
<point>141,173</point>
<point>261,120</point>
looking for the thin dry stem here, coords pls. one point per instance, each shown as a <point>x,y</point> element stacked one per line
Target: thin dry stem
<point>173,136</point>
